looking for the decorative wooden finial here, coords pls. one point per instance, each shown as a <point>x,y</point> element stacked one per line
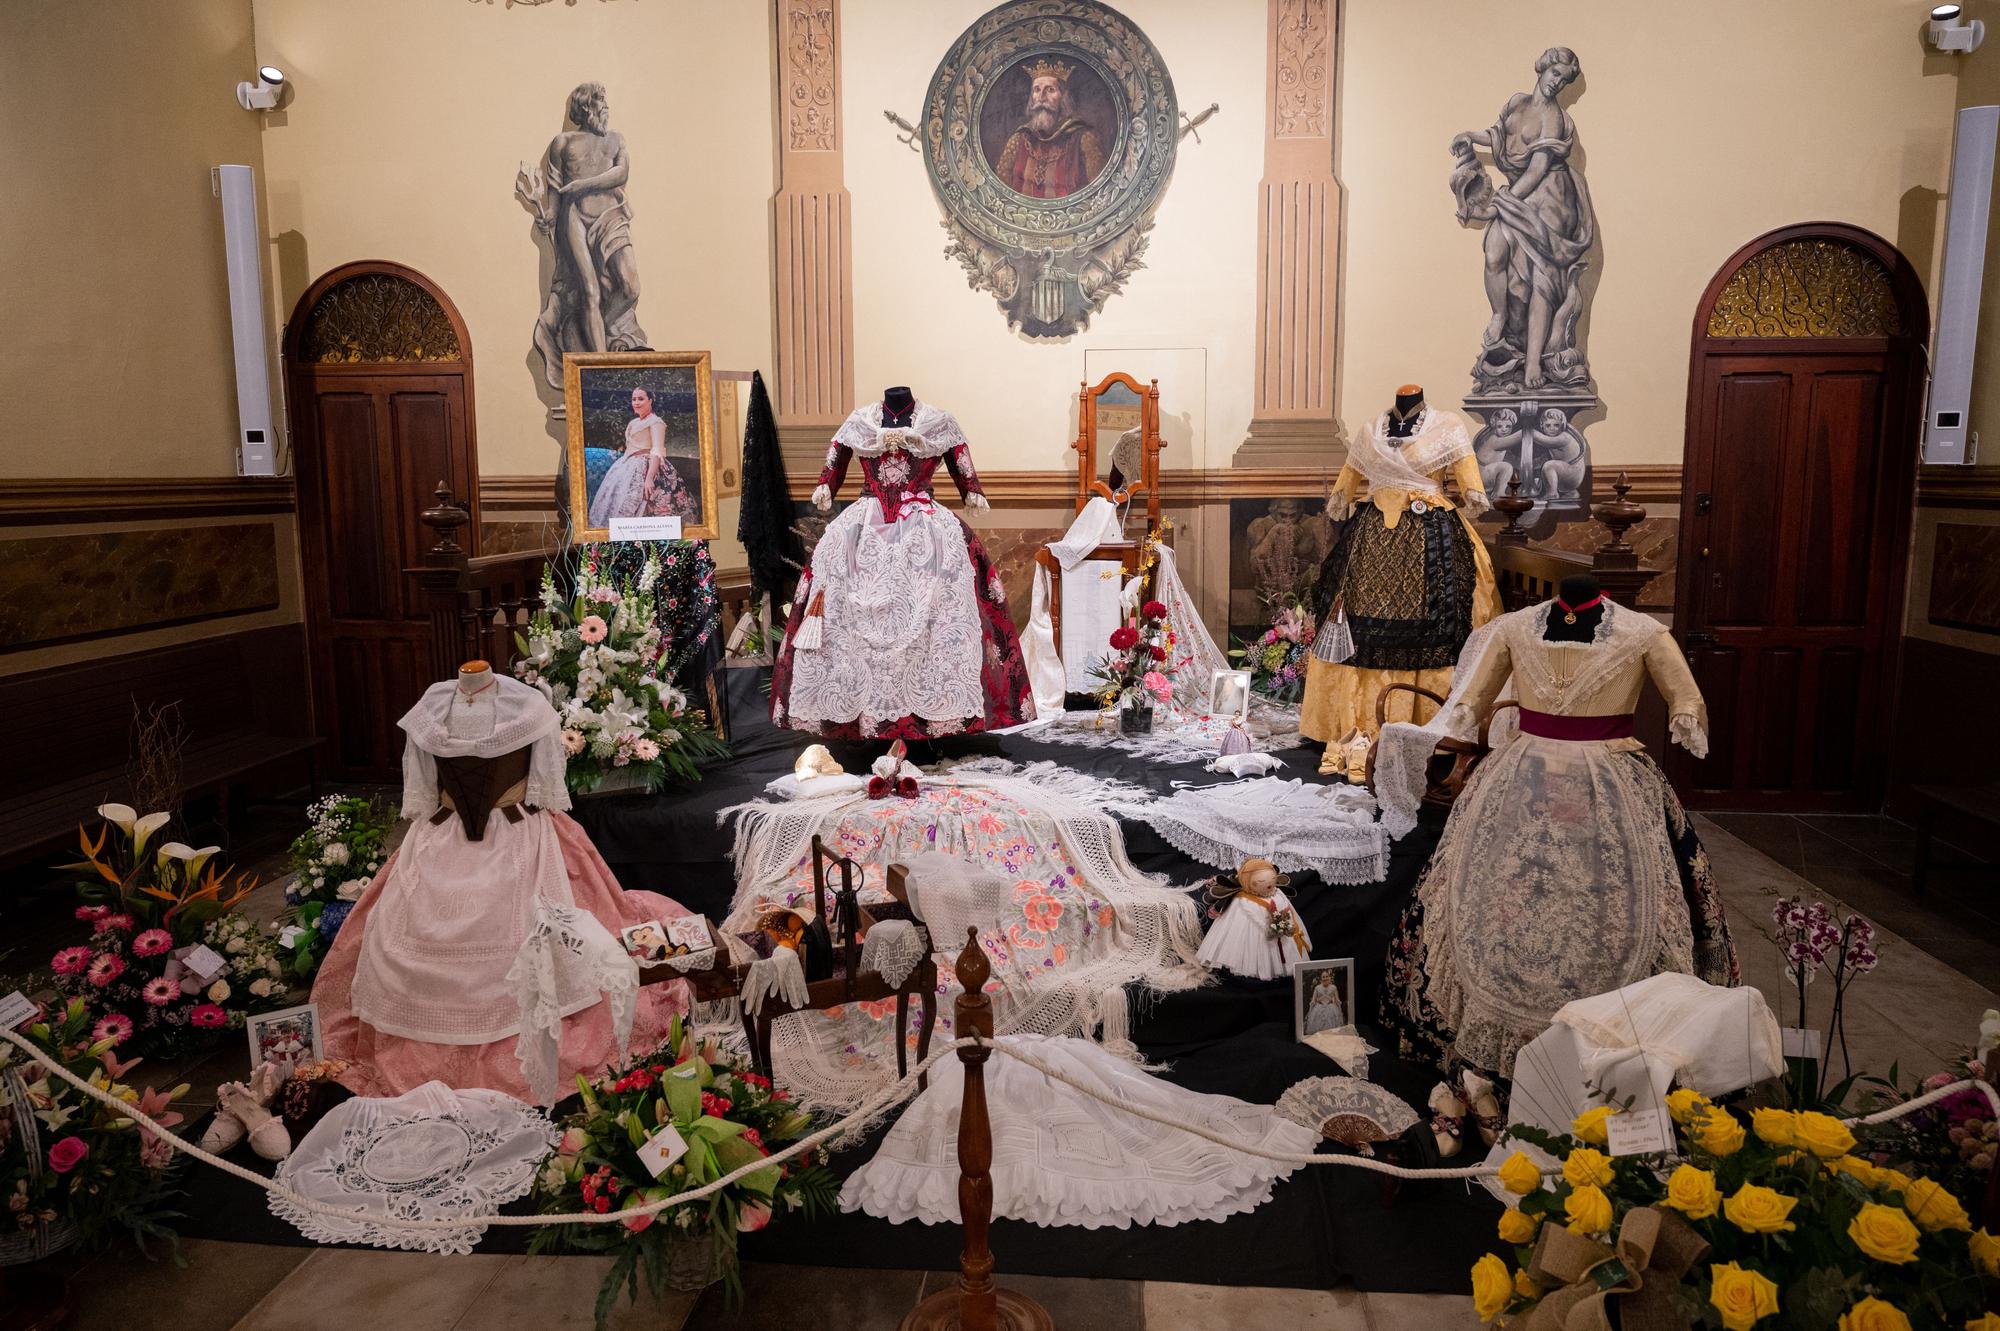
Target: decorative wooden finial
<point>1620,515</point>
<point>1513,504</point>
<point>445,518</point>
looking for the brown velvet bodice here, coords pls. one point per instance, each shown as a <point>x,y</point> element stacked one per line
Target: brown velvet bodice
<point>473,787</point>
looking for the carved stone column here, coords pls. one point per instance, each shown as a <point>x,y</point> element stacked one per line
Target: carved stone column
<point>1298,243</point>
<point>814,264</point>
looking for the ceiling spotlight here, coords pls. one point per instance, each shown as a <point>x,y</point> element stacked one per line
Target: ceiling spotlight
<point>263,94</point>
<point>1951,30</point>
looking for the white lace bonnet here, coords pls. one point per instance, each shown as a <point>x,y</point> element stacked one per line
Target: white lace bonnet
<point>497,720</point>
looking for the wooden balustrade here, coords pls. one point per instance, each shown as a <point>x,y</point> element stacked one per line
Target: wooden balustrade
<point>1531,574</point>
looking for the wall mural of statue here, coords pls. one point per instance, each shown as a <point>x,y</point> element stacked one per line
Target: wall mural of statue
<point>1049,135</point>
<point>1532,377</point>
<point>576,194</point>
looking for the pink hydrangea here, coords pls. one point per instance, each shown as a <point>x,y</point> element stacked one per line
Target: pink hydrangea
<point>71,961</point>
<point>104,968</point>
<point>152,943</point>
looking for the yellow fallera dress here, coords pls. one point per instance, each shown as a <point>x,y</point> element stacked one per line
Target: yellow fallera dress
<point>1407,571</point>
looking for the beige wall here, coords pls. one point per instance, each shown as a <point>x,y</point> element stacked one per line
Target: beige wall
<point>411,118</point>
<point>1703,123</point>
<point>112,286</point>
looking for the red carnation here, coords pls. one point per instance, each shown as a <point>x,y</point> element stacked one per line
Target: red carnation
<point>1154,610</point>
<point>1123,637</point>
<point>1159,652</point>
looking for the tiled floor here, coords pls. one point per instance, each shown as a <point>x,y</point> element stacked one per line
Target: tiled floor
<point>1940,966</point>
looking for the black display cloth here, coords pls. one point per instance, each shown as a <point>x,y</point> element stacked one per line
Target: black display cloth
<point>1234,1037</point>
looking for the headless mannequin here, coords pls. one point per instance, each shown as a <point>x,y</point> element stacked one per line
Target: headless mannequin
<point>899,404</point>
<point>474,678</point>
<point>1577,591</point>
<point>1403,419</point>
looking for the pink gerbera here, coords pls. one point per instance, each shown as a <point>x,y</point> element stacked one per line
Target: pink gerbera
<point>92,912</point>
<point>152,943</point>
<point>104,968</point>
<point>119,923</point>
<point>71,961</point>
<point>113,1026</point>
<point>208,1015</point>
<point>160,992</point>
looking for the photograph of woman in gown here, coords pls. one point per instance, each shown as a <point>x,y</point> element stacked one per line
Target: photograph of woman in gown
<point>642,482</point>
<point>1325,1004</point>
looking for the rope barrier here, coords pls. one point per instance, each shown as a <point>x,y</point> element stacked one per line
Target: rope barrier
<point>870,1109</point>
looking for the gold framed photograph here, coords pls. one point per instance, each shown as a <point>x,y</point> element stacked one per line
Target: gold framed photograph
<point>642,453</point>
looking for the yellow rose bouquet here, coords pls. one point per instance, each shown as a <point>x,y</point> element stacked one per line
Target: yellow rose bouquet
<point>1764,1220</point>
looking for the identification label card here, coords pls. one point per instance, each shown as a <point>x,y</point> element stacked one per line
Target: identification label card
<point>646,529</point>
<point>289,935</point>
<point>661,1150</point>
<point>1639,1132</point>
<point>1801,1043</point>
<point>15,1008</point>
<point>205,962</point>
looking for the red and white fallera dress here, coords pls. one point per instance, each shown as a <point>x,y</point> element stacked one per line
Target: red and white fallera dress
<point>900,628</point>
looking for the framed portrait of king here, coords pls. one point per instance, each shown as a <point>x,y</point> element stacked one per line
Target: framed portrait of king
<point>642,448</point>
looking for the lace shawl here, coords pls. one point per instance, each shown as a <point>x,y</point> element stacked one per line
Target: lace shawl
<point>932,432</point>
<point>1325,829</point>
<point>516,715</point>
<point>569,961</point>
<point>1440,440</point>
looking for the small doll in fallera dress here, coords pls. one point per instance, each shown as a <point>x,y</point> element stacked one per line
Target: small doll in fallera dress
<point>1257,933</point>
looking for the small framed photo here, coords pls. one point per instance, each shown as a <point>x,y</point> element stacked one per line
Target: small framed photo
<point>642,455</point>
<point>1229,694</point>
<point>1322,996</point>
<point>646,941</point>
<point>287,1037</point>
<point>688,933</point>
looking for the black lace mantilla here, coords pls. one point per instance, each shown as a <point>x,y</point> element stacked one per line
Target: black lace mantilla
<point>1405,613</point>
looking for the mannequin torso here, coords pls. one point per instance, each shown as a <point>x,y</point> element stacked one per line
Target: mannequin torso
<point>1403,416</point>
<point>899,404</point>
<point>1581,599</point>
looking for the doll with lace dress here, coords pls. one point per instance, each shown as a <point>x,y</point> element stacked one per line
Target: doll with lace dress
<point>1257,932</point>
<point>485,953</point>
<point>900,627</point>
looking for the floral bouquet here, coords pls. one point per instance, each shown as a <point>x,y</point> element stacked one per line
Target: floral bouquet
<point>93,1168</point>
<point>1777,1227</point>
<point>597,658</point>
<point>1956,1140</point>
<point>1276,659</point>
<point>1139,669</point>
<point>724,1118</point>
<point>332,863</point>
<point>146,916</point>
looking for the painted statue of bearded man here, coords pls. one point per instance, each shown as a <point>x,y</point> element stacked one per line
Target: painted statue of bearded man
<point>1053,154</point>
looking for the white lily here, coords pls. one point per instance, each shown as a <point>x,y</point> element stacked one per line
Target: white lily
<point>122,814</point>
<point>201,857</point>
<point>173,850</point>
<point>143,829</point>
<point>623,713</point>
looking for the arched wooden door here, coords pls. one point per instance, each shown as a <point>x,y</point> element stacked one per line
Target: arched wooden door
<point>1805,393</point>
<point>378,372</point>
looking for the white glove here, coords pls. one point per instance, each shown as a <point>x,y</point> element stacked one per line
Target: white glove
<point>976,500</point>
<point>822,498</point>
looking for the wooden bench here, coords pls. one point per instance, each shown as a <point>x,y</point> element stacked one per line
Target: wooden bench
<point>241,700</point>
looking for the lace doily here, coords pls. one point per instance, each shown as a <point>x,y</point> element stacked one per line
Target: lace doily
<point>892,950</point>
<point>1327,829</point>
<point>1347,1110</point>
<point>1061,1157</point>
<point>900,633</point>
<point>431,1154</point>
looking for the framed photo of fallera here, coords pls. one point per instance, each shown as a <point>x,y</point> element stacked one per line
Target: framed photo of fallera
<point>288,1037</point>
<point>642,455</point>
<point>1322,995</point>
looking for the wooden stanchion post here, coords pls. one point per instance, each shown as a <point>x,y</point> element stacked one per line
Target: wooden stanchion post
<point>976,1305</point>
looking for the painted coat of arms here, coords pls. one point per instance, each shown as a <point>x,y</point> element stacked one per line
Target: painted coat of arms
<point>1049,136</point>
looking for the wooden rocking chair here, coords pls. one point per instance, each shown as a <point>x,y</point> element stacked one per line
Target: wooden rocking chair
<point>1441,791</point>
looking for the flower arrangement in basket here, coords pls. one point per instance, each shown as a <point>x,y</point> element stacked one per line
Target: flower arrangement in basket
<point>139,976</point>
<point>689,1094</point>
<point>596,657</point>
<point>71,1169</point>
<point>1276,658</point>
<point>332,863</point>
<point>1777,1226</point>
<point>1138,671</point>
<point>1956,1140</point>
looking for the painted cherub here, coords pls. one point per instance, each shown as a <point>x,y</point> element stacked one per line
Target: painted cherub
<point>1560,457</point>
<point>1497,448</point>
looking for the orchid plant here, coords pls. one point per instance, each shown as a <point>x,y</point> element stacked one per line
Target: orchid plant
<point>1812,940</point>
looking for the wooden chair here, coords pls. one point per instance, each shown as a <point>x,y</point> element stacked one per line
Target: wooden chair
<point>1092,478</point>
<point>1439,792</point>
<point>846,924</point>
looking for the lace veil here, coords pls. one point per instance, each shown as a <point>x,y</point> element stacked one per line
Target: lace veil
<point>506,716</point>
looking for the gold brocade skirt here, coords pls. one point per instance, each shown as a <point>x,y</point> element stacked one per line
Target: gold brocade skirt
<point>1341,698</point>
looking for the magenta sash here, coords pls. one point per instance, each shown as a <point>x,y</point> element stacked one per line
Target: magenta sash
<point>1547,725</point>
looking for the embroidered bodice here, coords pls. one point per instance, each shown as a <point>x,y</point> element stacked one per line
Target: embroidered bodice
<point>646,434</point>
<point>897,462</point>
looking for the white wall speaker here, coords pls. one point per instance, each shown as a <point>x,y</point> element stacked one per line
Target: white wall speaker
<point>1945,421</point>
<point>242,239</point>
